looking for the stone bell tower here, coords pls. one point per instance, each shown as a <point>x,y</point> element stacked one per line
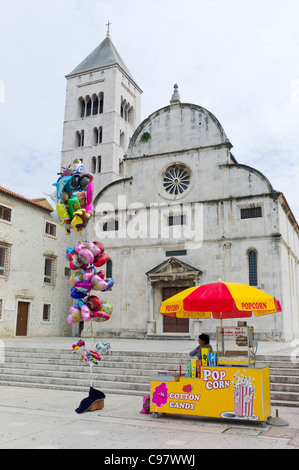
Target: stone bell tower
<point>102,111</point>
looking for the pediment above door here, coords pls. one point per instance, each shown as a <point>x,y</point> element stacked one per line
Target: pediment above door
<point>173,269</point>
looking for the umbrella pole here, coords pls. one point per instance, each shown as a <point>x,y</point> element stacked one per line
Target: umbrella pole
<point>222,335</point>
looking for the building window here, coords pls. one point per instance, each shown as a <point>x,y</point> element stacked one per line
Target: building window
<point>1,309</point>
<point>82,107</point>
<point>176,220</point>
<point>110,226</point>
<point>252,262</point>
<point>101,103</point>
<point>176,253</point>
<point>49,271</point>
<point>5,213</point>
<point>4,260</point>
<point>251,213</point>
<point>80,138</point>
<point>95,105</point>
<point>67,272</point>
<point>176,180</point>
<point>88,107</point>
<point>47,312</point>
<point>109,269</point>
<point>50,229</point>
<point>126,111</point>
<point>96,163</point>
<point>91,106</point>
<point>98,135</point>
<point>122,140</point>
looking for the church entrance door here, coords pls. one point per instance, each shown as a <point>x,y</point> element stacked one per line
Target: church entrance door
<point>174,325</point>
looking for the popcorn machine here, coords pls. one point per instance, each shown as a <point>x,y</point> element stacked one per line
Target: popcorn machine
<point>236,345</point>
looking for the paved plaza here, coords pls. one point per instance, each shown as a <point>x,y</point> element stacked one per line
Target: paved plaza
<point>32,418</point>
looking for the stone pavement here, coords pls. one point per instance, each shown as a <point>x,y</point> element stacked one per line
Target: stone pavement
<point>46,419</point>
<point>32,418</point>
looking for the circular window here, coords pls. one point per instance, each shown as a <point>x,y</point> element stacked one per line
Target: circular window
<point>176,180</point>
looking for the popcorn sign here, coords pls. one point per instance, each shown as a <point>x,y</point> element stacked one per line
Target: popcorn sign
<point>215,379</point>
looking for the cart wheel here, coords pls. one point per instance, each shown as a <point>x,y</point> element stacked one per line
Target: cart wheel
<point>155,415</point>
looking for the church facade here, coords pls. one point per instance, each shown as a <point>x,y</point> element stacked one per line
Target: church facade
<point>173,206</point>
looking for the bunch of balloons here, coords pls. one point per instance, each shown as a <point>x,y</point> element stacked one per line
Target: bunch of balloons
<point>90,355</point>
<point>73,197</point>
<point>87,355</point>
<point>89,308</point>
<point>84,259</point>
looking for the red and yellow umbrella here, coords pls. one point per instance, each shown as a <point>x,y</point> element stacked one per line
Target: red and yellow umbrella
<point>222,300</point>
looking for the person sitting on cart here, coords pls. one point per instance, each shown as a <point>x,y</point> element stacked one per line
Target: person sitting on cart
<point>204,342</point>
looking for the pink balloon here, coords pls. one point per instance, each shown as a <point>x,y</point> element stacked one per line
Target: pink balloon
<point>98,283</point>
<point>86,313</point>
<point>88,274</point>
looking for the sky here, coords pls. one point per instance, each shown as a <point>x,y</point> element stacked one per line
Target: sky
<point>237,58</point>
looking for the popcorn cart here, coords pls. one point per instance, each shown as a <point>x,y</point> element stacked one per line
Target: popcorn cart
<point>220,392</point>
<point>234,387</point>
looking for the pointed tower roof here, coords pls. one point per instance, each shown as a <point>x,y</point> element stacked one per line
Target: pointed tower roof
<point>102,56</point>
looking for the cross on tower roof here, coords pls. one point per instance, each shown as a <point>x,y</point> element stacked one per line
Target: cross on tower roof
<point>108,30</point>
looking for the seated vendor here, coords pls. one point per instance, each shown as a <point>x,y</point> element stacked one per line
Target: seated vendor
<point>204,342</point>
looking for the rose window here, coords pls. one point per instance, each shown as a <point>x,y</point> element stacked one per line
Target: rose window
<point>176,180</point>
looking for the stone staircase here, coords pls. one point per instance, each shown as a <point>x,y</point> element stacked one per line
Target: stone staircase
<point>284,379</point>
<point>124,372</point>
<point>118,372</point>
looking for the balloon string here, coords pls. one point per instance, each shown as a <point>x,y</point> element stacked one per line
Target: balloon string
<point>91,332</point>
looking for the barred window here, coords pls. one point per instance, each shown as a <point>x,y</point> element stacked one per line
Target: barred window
<point>251,213</point>
<point>67,272</point>
<point>50,271</point>
<point>47,312</point>
<point>176,220</point>
<point>5,213</point>
<point>4,259</point>
<point>252,258</point>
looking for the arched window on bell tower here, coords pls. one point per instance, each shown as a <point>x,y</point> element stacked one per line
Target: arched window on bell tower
<point>95,105</point>
<point>101,103</point>
<point>88,106</point>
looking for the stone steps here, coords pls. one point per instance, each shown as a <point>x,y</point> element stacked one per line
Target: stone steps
<point>284,379</point>
<point>118,372</point>
<point>125,372</point>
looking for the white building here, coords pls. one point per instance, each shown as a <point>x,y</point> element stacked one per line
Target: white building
<point>34,275</point>
<point>173,206</point>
